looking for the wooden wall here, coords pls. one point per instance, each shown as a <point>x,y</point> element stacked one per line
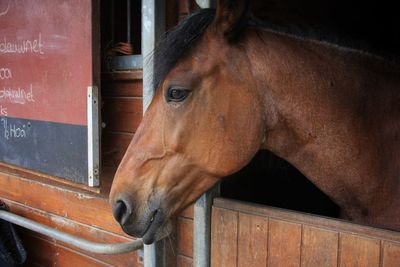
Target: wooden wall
<point>73,210</point>
<point>122,113</point>
<point>254,235</point>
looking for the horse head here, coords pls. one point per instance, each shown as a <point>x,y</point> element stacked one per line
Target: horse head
<point>204,122</point>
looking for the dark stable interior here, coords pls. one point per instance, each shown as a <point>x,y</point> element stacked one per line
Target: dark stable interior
<point>270,180</point>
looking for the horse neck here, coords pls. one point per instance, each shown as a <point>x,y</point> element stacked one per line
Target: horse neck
<point>334,114</point>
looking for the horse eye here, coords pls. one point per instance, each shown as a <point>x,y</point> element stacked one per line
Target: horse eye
<point>177,94</point>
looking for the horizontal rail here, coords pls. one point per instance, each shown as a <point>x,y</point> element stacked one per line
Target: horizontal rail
<point>100,248</point>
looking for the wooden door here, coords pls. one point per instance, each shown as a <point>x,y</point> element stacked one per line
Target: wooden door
<point>253,235</point>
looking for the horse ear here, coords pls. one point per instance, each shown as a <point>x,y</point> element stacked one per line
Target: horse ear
<point>231,17</point>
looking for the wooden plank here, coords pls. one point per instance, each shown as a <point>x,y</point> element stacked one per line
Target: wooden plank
<point>66,257</point>
<point>52,180</point>
<point>319,247</point>
<point>107,176</point>
<point>358,251</point>
<point>76,205</point>
<point>308,219</point>
<point>44,253</point>
<point>122,88</point>
<point>253,240</point>
<point>184,235</point>
<point>122,76</point>
<point>391,254</point>
<point>183,261</point>
<point>284,243</point>
<point>114,147</point>
<point>66,225</point>
<point>122,114</point>
<point>39,251</point>
<point>224,236</point>
<point>188,212</point>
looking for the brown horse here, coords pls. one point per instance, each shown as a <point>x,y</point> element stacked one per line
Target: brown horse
<point>226,88</point>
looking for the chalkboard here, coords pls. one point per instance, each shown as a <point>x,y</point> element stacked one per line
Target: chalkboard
<point>48,60</point>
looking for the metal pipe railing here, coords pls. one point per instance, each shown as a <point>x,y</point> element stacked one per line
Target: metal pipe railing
<point>100,248</point>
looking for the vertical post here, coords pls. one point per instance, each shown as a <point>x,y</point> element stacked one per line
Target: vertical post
<point>155,255</point>
<point>93,100</point>
<point>202,228</point>
<point>153,26</point>
<point>93,136</point>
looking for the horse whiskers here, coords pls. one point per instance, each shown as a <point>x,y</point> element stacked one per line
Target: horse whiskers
<point>171,245</point>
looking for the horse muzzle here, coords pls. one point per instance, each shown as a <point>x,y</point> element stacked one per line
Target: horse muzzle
<point>150,224</point>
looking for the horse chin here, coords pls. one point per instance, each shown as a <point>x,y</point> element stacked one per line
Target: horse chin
<point>156,233</point>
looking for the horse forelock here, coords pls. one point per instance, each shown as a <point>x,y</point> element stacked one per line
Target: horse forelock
<point>177,43</point>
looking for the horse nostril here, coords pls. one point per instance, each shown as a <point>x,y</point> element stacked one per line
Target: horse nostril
<point>121,211</point>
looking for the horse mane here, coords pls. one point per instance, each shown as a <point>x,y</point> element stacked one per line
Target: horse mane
<point>176,44</point>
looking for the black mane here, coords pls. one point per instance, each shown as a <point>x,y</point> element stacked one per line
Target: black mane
<point>177,43</point>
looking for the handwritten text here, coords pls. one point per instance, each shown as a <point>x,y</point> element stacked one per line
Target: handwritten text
<point>3,111</point>
<point>4,11</point>
<point>12,130</point>
<point>5,73</point>
<point>18,96</point>
<point>33,46</point>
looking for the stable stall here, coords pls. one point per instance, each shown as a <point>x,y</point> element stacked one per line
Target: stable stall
<point>73,89</point>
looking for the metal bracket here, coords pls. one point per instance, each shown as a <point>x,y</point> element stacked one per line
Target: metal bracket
<point>93,136</point>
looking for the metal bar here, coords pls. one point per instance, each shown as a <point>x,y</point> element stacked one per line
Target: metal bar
<point>202,228</point>
<point>100,248</point>
<point>155,254</point>
<point>153,26</point>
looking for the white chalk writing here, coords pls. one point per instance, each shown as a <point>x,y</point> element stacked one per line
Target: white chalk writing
<point>5,73</point>
<point>12,130</point>
<point>22,46</point>
<point>3,111</point>
<point>18,95</point>
<point>4,11</point>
